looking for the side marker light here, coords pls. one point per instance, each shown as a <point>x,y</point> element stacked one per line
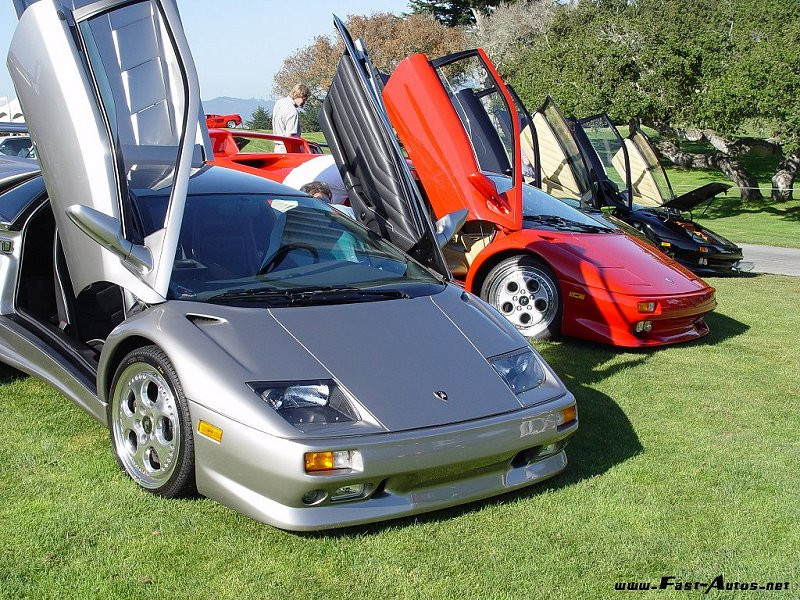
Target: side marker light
<point>210,431</point>
<point>646,307</point>
<point>567,415</point>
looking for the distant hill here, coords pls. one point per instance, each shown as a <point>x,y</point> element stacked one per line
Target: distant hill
<point>225,105</point>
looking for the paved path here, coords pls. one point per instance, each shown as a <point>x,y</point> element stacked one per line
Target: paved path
<point>771,259</point>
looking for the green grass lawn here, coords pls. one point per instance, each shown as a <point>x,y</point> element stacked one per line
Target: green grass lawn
<point>686,463</point>
<point>770,223</point>
<point>766,222</point>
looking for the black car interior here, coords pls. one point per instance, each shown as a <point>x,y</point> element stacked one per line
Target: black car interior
<point>46,298</point>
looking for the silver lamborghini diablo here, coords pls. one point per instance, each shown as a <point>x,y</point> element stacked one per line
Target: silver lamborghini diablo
<point>241,340</point>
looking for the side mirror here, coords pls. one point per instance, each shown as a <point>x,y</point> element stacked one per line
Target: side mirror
<point>448,226</point>
<point>106,231</point>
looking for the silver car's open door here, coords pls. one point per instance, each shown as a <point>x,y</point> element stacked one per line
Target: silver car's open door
<point>111,98</point>
<point>382,190</point>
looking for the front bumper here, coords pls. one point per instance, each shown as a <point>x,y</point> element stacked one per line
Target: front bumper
<point>404,473</point>
<point>718,261</point>
<point>608,317</point>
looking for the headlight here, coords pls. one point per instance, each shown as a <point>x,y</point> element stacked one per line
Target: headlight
<point>520,369</point>
<point>308,402</point>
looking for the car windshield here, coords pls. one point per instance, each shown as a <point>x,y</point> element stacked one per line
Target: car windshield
<point>607,143</point>
<point>543,211</point>
<point>564,174</point>
<point>280,249</point>
<point>16,146</point>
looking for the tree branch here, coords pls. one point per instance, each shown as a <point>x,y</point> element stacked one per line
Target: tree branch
<point>748,186</point>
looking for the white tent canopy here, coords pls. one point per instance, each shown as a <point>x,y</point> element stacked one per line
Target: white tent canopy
<point>10,110</point>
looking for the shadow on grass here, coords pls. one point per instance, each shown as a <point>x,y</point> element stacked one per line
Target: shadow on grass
<point>9,374</point>
<point>732,207</point>
<point>604,438</point>
<point>721,328</point>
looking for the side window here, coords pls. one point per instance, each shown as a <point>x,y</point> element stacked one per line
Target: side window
<point>483,112</point>
<point>16,199</point>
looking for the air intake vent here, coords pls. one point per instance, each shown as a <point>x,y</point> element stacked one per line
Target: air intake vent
<point>201,320</point>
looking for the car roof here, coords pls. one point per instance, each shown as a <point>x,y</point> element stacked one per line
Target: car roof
<point>212,179</point>
<point>12,166</point>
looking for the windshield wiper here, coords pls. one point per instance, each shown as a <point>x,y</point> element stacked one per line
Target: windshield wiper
<point>307,295</point>
<point>565,223</point>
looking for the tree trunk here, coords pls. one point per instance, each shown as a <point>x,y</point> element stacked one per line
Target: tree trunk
<point>748,186</point>
<point>783,180</point>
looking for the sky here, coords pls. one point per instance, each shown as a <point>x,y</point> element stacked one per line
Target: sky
<point>238,45</point>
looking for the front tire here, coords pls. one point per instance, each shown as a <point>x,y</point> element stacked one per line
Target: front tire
<point>526,292</point>
<point>150,426</point>
<point>230,124</point>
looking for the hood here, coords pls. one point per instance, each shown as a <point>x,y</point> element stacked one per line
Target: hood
<point>394,355</point>
<point>697,196</point>
<point>626,265</point>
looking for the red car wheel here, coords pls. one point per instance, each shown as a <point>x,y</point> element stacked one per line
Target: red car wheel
<point>526,292</point>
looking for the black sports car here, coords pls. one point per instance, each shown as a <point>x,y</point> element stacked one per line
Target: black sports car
<point>629,178</point>
<point>587,163</point>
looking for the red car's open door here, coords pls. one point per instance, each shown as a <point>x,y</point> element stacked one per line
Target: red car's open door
<point>461,130</point>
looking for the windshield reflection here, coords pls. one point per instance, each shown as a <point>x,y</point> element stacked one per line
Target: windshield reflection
<point>238,246</point>
<point>542,210</point>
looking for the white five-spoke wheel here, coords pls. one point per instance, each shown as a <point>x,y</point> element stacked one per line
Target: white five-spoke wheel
<point>526,292</point>
<point>230,124</point>
<point>150,427</point>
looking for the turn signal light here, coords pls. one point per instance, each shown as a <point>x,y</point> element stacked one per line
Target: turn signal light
<point>646,307</point>
<point>567,415</point>
<point>327,461</point>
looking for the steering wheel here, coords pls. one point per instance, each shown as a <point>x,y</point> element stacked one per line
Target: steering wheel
<point>280,255</point>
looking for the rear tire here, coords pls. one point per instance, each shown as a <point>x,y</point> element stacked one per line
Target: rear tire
<point>526,292</point>
<point>150,426</point>
<point>230,124</point>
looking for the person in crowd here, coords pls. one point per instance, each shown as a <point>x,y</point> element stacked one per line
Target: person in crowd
<point>285,117</point>
<point>318,189</point>
<point>321,190</point>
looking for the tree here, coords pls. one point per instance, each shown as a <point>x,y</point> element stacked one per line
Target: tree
<point>511,26</point>
<point>308,116</point>
<point>706,68</point>
<point>760,85</point>
<point>388,38</point>
<point>453,13</point>
<point>260,119</point>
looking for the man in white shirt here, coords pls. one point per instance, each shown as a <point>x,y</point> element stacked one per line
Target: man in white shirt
<point>285,119</point>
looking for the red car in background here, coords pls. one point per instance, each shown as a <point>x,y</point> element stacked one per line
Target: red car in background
<point>229,121</point>
<point>546,266</point>
<point>300,162</point>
